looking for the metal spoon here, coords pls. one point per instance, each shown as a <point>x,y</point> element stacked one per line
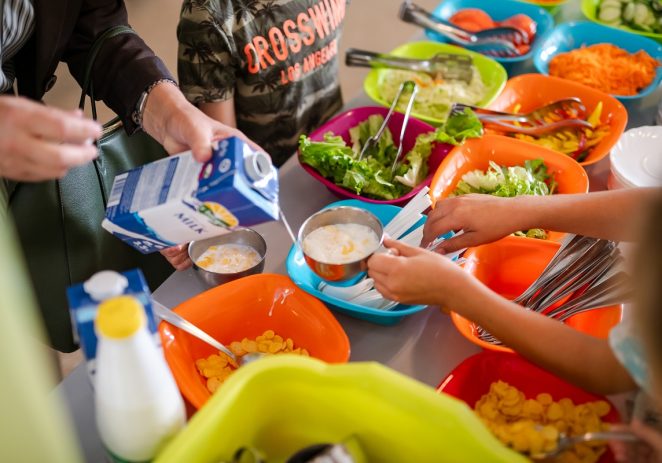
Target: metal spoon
<point>566,442</point>
<point>178,321</point>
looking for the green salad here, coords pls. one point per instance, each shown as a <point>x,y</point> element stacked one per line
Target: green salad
<point>532,178</point>
<point>372,176</point>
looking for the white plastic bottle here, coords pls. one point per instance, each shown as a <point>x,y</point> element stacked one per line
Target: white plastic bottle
<point>138,405</point>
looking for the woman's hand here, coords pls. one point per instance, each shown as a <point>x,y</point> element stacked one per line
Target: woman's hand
<point>649,450</point>
<point>415,276</point>
<point>40,143</point>
<point>180,126</point>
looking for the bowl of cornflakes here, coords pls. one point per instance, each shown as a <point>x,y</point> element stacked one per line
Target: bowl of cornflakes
<point>527,408</point>
<point>264,313</point>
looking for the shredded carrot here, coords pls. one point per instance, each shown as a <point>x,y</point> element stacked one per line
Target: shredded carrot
<point>606,67</point>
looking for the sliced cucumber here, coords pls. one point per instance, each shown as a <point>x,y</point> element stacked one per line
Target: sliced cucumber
<point>610,4</point>
<point>609,14</point>
<point>628,11</point>
<point>643,15</point>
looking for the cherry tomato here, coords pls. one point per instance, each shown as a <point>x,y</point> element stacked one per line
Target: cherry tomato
<point>523,23</point>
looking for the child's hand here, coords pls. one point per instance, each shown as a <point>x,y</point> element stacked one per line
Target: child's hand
<point>416,276</point>
<point>649,450</point>
<point>483,218</point>
<point>178,256</point>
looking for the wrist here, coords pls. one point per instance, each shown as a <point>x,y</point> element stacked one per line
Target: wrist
<point>162,100</point>
<point>524,213</point>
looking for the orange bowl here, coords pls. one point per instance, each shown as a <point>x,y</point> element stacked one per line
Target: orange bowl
<point>534,90</point>
<point>508,267</point>
<point>247,308</point>
<point>477,153</point>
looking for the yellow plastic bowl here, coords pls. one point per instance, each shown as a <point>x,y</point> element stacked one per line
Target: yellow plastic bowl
<point>284,403</point>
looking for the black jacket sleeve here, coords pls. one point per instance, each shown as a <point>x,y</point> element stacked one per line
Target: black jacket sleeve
<point>124,67</point>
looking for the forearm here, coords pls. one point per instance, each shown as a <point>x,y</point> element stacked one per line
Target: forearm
<point>580,359</point>
<point>222,111</point>
<point>614,215</point>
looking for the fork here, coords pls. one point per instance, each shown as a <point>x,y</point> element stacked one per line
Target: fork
<point>497,41</point>
<point>536,118</point>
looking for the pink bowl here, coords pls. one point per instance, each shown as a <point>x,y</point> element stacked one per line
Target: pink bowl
<point>341,124</point>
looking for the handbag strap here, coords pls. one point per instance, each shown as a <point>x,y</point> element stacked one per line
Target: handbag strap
<point>88,85</point>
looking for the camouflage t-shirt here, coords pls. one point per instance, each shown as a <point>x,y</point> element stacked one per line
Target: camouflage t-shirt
<point>277,58</point>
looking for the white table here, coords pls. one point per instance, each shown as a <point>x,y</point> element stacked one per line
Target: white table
<point>425,346</point>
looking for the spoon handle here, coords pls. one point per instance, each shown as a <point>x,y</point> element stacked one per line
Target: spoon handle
<point>184,325</point>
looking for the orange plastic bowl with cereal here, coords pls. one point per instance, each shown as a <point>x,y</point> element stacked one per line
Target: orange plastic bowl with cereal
<point>246,308</point>
<point>472,379</point>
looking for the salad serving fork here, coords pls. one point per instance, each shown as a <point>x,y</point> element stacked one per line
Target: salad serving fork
<point>499,41</point>
<point>440,66</point>
<point>536,121</point>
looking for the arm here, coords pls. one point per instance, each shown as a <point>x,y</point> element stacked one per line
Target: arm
<point>611,215</point>
<point>221,111</point>
<point>422,277</point>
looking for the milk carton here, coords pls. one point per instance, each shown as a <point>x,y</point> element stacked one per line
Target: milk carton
<point>177,200</point>
<point>84,299</point>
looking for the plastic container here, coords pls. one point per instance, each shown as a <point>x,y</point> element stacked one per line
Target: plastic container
<point>570,36</point>
<point>341,124</point>
<point>636,160</point>
<point>535,90</point>
<point>84,299</point>
<point>284,403</point>
<point>177,200</point>
<point>247,308</point>
<point>493,74</point>
<point>472,378</point>
<point>138,407</point>
<point>307,280</point>
<point>498,11</point>
<point>590,10</point>
<point>505,151</point>
<point>508,267</point>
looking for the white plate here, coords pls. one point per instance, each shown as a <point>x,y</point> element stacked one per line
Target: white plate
<point>636,160</point>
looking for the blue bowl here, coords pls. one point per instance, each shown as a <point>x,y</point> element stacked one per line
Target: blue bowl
<point>498,11</point>
<point>305,279</point>
<point>570,36</point>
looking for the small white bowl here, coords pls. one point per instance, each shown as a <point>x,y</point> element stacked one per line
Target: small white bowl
<point>636,160</point>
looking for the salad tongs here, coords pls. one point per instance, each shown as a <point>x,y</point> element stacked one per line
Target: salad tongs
<point>373,141</point>
<point>442,65</point>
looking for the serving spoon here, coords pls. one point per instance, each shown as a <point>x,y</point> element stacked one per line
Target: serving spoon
<point>180,322</point>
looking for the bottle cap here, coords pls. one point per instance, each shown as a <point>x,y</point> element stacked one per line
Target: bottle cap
<point>120,317</point>
<point>105,284</point>
<point>257,165</point>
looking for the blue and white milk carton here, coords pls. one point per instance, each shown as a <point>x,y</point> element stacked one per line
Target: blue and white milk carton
<point>84,299</point>
<point>177,200</point>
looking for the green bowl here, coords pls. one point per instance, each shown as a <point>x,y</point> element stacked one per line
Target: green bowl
<point>590,10</point>
<point>493,74</point>
<point>552,7</point>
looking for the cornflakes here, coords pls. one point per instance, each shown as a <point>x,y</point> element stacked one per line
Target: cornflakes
<point>533,426</point>
<point>217,367</point>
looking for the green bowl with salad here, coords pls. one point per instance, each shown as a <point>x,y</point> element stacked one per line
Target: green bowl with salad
<point>434,97</point>
<point>642,17</point>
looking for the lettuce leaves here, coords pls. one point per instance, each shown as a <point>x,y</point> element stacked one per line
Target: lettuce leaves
<point>372,176</point>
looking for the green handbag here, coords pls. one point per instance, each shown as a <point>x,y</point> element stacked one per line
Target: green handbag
<point>59,221</point>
